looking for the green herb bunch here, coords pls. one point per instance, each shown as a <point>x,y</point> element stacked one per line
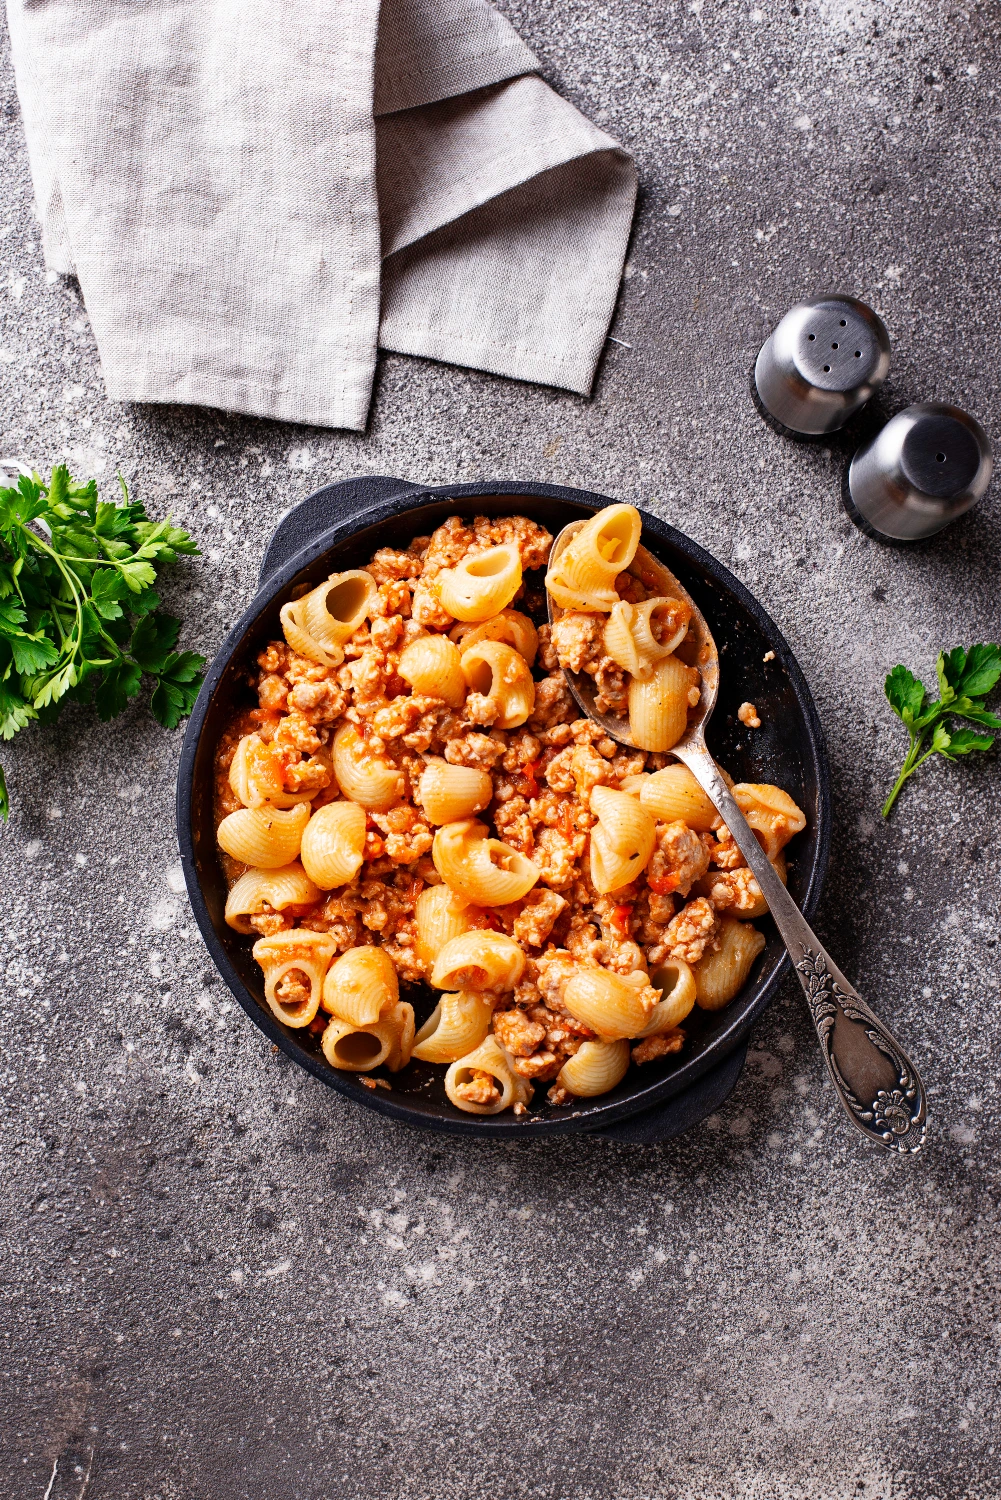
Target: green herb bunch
<point>964,680</point>
<point>79,616</point>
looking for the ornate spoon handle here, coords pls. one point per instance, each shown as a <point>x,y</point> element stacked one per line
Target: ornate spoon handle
<point>875,1080</point>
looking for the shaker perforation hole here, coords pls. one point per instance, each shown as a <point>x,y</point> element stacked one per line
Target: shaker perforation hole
<point>858,353</point>
<point>940,458</point>
<point>834,346</point>
<point>827,369</point>
<point>844,322</point>
<point>811,337</point>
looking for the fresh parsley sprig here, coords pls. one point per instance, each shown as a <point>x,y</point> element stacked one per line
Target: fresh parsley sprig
<point>964,680</point>
<point>79,616</point>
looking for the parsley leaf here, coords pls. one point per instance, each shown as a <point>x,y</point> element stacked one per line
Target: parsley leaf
<point>175,695</point>
<point>964,680</point>
<point>79,615</point>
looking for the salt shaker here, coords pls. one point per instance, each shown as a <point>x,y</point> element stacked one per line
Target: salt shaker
<point>821,363</point>
<point>927,466</point>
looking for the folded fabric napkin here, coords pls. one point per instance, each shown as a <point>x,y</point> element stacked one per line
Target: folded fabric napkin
<point>254,197</point>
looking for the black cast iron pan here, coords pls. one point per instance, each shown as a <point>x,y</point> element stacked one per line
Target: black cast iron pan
<point>339,527</point>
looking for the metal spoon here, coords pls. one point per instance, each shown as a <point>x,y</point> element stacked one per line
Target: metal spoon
<point>874,1078</point>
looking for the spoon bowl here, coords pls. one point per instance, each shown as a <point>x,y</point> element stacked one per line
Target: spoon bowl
<point>698,649</point>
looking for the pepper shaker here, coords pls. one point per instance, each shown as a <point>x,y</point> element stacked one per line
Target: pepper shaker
<point>820,364</point>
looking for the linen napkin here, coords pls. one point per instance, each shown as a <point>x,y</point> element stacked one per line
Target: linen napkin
<point>255,196</point>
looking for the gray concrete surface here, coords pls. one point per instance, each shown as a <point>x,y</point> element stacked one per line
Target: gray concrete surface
<point>219,1280</point>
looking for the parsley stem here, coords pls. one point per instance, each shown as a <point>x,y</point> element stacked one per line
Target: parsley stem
<point>913,760</point>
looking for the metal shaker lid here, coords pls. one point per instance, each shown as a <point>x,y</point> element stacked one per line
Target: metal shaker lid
<point>821,363</point>
<point>927,466</point>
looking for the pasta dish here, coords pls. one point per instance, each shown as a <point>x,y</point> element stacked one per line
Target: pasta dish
<point>414,800</point>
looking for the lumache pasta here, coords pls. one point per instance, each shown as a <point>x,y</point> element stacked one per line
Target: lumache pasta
<point>413,803</point>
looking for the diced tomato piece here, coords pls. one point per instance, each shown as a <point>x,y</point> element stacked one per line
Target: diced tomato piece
<point>620,917</point>
<point>662,884</point>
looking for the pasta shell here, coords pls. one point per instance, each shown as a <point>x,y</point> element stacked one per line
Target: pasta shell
<point>449,793</point>
<point>490,1058</point>
<point>594,1068</point>
<point>356,1049</point>
<point>771,812</point>
<point>607,1003</point>
<point>673,795</point>
<point>257,776</point>
<point>440,915</point>
<point>432,665</point>
<point>639,635</point>
<point>722,973</point>
<point>367,779</point>
<point>288,959</point>
<point>510,626</point>
<point>481,584</point>
<point>499,672</point>
<point>479,960</point>
<point>333,612</point>
<point>623,841</point>
<point>360,985</point>
<point>301,642</point>
<point>264,837</point>
<point>278,889</point>
<point>658,705</point>
<point>584,574</point>
<point>333,844</point>
<point>457,1024</point>
<point>676,983</point>
<point>481,869</point>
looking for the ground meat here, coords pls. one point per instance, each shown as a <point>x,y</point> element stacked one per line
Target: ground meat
<point>318,702</point>
<point>517,1033</point>
<point>735,891</point>
<point>748,714</point>
<point>535,921</point>
<point>388,565</point>
<point>661,1045</point>
<point>479,1088</point>
<point>401,949</point>
<point>555,856</point>
<point>553,971</point>
<point>293,988</point>
<point>481,709</point>
<point>546,657</point>
<point>478,750</point>
<point>564,1033</point>
<point>553,703</point>
<point>515,824</point>
<point>579,769</point>
<point>392,601</point>
<point>274,657</point>
<point>296,733</point>
<point>272,692</point>
<point>399,718</point>
<point>612,688</point>
<point>680,858</point>
<point>406,833</point>
<point>523,749</point>
<point>540,1067</point>
<point>307,777</point>
<point>723,850</point>
<point>578,640</point>
<point>690,932</point>
<point>533,541</point>
<point>268,922</point>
